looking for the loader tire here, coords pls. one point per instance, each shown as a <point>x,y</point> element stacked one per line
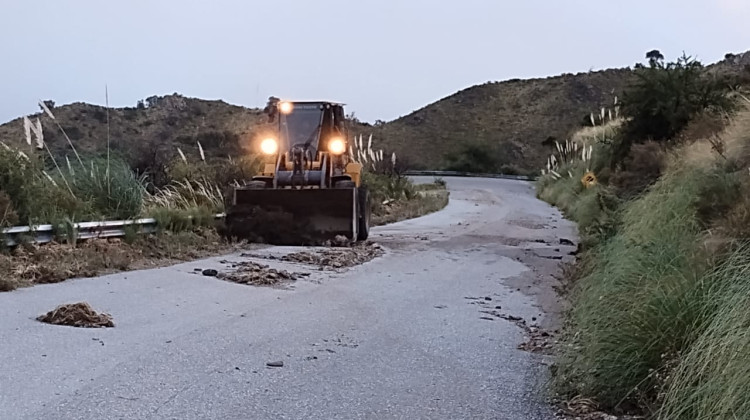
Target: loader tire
<point>363,229</point>
<point>345,184</point>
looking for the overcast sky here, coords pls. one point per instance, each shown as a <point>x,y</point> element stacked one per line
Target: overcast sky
<point>383,58</point>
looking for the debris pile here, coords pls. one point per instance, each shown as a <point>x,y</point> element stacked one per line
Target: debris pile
<point>580,408</point>
<point>337,257</point>
<point>79,314</point>
<point>539,341</point>
<point>259,275</point>
<point>339,241</point>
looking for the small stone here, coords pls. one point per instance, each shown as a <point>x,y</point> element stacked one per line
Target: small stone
<point>487,298</point>
<point>210,272</point>
<point>498,307</point>
<point>275,364</point>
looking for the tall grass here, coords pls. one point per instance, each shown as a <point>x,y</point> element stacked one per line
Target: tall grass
<point>638,306</point>
<point>188,194</point>
<point>111,187</point>
<point>712,380</point>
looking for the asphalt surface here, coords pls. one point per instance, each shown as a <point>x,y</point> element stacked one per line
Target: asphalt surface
<point>400,337</point>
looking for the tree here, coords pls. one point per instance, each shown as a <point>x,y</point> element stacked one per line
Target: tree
<point>666,97</point>
<point>152,101</point>
<point>654,57</point>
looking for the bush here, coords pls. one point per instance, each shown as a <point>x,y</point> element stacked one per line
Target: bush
<point>8,216</point>
<point>479,158</point>
<point>183,220</point>
<point>665,97</point>
<point>642,167</point>
<point>385,188</point>
<point>17,179</point>
<point>113,189</point>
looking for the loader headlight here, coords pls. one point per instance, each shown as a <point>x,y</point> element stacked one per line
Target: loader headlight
<point>336,146</point>
<point>286,107</point>
<point>269,146</point>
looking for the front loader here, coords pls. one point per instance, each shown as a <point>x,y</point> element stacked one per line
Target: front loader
<point>310,190</point>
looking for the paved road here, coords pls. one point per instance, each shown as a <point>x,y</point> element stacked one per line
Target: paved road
<point>395,338</point>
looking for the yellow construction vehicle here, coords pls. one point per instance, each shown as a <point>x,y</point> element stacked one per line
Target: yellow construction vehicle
<point>310,190</point>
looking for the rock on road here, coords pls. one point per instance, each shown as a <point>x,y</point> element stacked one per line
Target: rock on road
<point>400,337</point>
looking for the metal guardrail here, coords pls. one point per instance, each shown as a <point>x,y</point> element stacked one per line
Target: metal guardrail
<point>468,174</point>
<point>41,234</point>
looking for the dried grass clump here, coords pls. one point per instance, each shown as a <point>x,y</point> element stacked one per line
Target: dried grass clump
<point>337,257</point>
<point>259,275</point>
<point>79,314</point>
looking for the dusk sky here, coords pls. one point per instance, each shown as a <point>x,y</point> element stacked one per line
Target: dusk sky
<point>382,58</point>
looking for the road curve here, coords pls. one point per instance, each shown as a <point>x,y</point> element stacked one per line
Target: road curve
<point>400,337</point>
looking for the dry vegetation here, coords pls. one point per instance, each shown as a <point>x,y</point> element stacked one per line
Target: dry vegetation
<point>79,314</point>
<point>27,265</point>
<point>337,257</point>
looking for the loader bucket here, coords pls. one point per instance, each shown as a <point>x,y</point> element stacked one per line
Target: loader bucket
<point>292,217</point>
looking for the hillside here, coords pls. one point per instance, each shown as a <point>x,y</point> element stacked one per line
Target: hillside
<point>147,135</point>
<point>514,117</point>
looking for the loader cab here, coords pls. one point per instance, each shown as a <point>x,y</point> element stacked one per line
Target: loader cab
<point>310,146</point>
<point>310,125</point>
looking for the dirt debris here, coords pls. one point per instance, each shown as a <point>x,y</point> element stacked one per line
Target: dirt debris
<point>79,314</point>
<point>581,408</point>
<point>538,340</point>
<point>259,275</point>
<point>31,264</point>
<point>337,257</point>
<point>339,241</point>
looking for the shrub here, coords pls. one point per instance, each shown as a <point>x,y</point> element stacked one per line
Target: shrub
<point>8,216</point>
<point>17,174</point>
<point>183,220</point>
<point>665,97</point>
<point>642,167</point>
<point>113,190</point>
<point>476,158</point>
